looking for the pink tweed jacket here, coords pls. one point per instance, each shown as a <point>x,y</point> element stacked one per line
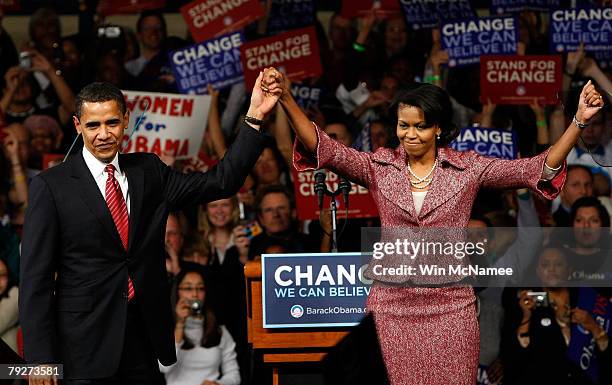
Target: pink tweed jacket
<point>449,200</point>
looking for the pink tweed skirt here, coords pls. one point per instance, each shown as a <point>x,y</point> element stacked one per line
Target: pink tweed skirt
<point>428,336</point>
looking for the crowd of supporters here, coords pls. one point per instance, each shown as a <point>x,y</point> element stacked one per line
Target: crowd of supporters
<point>365,62</point>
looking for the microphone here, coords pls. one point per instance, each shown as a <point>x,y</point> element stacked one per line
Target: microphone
<point>319,176</point>
<point>345,186</point>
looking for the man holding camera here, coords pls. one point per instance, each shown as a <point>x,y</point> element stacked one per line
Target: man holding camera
<point>93,288</point>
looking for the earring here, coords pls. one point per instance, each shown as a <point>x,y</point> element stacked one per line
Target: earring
<point>438,137</point>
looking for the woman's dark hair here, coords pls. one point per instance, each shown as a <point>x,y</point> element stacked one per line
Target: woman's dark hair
<point>436,106</point>
<point>211,332</point>
<point>604,217</point>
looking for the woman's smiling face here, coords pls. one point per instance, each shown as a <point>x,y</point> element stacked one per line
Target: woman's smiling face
<point>416,136</point>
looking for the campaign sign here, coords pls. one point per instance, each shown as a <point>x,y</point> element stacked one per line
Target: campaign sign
<point>305,96</point>
<point>520,79</point>
<point>313,290</point>
<point>115,7</point>
<point>296,53</point>
<point>467,40</point>
<point>499,7</point>
<point>361,203</point>
<point>428,14</point>
<point>211,18</point>
<point>570,27</point>
<point>360,8</point>
<point>481,377</point>
<point>215,62</point>
<point>488,142</point>
<point>290,14</point>
<point>173,124</point>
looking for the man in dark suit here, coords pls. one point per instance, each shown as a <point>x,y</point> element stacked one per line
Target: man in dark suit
<point>93,290</point>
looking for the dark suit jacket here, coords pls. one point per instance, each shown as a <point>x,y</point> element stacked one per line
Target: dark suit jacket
<point>78,319</point>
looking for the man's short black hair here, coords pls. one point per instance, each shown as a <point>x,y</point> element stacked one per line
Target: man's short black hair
<point>99,92</point>
<point>154,13</point>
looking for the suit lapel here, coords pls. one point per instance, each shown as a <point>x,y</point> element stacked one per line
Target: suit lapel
<point>135,177</point>
<point>446,183</point>
<point>395,185</point>
<point>91,195</point>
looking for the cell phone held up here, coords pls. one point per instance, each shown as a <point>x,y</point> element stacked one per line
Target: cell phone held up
<point>25,60</point>
<point>540,298</point>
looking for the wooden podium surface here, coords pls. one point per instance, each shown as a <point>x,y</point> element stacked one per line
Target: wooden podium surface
<point>283,345</point>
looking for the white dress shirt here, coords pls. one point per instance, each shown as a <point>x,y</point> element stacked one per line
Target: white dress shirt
<point>96,168</point>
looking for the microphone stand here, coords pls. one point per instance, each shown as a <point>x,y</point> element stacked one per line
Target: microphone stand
<point>334,214</point>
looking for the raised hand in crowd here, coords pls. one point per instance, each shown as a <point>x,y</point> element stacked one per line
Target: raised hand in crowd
<point>65,94</point>
<point>486,116</point>
<point>437,57</point>
<point>12,79</point>
<point>214,124</point>
<point>541,125</point>
<point>242,242</point>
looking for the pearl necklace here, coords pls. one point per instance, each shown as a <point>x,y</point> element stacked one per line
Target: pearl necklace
<point>421,183</point>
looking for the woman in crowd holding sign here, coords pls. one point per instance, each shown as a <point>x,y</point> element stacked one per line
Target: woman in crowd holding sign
<point>427,335</point>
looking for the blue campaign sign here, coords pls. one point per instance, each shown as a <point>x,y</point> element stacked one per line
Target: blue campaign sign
<point>428,14</point>
<point>215,61</point>
<point>466,40</point>
<point>314,290</point>
<point>290,14</point>
<point>499,7</point>
<point>570,27</point>
<point>488,142</point>
<point>305,96</point>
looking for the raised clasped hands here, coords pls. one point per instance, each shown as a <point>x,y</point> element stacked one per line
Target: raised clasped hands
<point>263,98</point>
<point>275,82</point>
<point>590,103</point>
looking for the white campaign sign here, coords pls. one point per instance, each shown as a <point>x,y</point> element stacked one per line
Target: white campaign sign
<point>174,123</point>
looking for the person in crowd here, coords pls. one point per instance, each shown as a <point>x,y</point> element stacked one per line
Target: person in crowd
<point>271,168</point>
<point>9,311</point>
<point>220,228</point>
<point>45,138</point>
<point>151,32</point>
<point>205,350</point>
<point>541,338</point>
<point>276,214</point>
<point>45,31</point>
<point>111,257</point>
<point>151,68</point>
<point>579,184</point>
<point>195,249</point>
<point>73,69</point>
<point>21,89</point>
<point>425,183</point>
<point>16,151</point>
<point>109,68</point>
<point>174,240</point>
<point>587,242</point>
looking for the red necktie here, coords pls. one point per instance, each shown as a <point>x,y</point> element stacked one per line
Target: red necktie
<point>118,209</point>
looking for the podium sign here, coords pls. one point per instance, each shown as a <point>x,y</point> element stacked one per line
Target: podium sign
<point>314,289</point>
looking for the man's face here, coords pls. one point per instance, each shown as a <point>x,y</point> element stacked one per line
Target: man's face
<point>593,133</point>
<point>275,213</point>
<point>151,33</point>
<point>102,126</point>
<point>174,236</point>
<point>579,184</point>
<point>340,133</point>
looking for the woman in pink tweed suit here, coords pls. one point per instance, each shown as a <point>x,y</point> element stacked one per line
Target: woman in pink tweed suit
<point>428,335</point>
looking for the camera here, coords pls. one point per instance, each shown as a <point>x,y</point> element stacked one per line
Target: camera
<point>25,60</point>
<point>540,298</point>
<point>196,307</point>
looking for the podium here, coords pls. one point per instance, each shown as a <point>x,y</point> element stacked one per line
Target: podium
<point>281,346</point>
